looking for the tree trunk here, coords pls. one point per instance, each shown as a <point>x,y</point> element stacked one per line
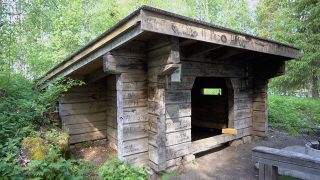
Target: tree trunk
<point>314,87</point>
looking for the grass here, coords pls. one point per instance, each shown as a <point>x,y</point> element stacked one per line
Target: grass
<point>292,113</point>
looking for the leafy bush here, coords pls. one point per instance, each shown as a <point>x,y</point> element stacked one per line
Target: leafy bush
<point>117,169</point>
<point>22,108</point>
<point>59,139</point>
<point>56,167</point>
<point>292,113</point>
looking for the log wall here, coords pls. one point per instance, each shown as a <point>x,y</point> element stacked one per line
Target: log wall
<point>83,113</point>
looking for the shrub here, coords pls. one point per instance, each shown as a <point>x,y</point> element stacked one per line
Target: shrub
<point>293,113</point>
<point>117,169</point>
<point>59,139</point>
<point>56,167</point>
<point>21,113</point>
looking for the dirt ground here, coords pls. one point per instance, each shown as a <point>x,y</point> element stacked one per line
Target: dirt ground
<point>234,162</point>
<point>225,162</point>
<point>94,152</point>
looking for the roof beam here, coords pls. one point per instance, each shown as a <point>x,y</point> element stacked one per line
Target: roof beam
<point>181,27</point>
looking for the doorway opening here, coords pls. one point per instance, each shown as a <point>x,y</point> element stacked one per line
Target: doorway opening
<point>209,107</point>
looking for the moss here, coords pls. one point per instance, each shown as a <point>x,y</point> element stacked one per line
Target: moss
<point>36,147</point>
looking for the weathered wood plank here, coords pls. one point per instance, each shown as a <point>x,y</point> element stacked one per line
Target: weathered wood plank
<point>83,118</point>
<point>135,131</point>
<point>243,113</point>
<point>172,125</point>
<point>135,146</point>
<point>85,105</point>
<point>211,142</point>
<point>97,124</point>
<point>177,97</point>
<point>160,23</point>
<point>131,115</point>
<point>178,110</point>
<point>87,136</point>
<point>259,116</point>
<point>178,137</point>
<point>243,123</point>
<point>87,130</point>
<point>140,159</point>
<point>285,159</point>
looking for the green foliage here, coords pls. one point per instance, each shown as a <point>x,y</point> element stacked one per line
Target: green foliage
<point>296,23</point>
<point>169,175</point>
<point>117,169</point>
<point>21,112</point>
<point>56,167</point>
<point>58,139</point>
<point>292,113</point>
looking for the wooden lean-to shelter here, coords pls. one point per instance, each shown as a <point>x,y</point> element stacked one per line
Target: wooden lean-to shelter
<point>160,87</point>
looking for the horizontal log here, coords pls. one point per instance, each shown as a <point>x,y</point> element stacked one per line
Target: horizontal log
<point>178,137</point>
<point>244,132</point>
<point>177,97</point>
<point>83,118</point>
<point>92,110</point>
<point>211,142</point>
<point>259,133</point>
<point>259,116</point>
<point>178,150</point>
<point>135,131</point>
<point>259,126</point>
<point>86,105</point>
<point>140,159</point>
<point>137,85</point>
<point>134,103</point>
<point>259,106</point>
<point>133,77</point>
<point>97,124</point>
<point>135,146</point>
<point>88,137</point>
<point>178,110</point>
<point>241,114</point>
<point>134,94</point>
<point>178,124</point>
<point>87,130</point>
<point>243,123</point>
<point>82,97</point>
<point>138,114</point>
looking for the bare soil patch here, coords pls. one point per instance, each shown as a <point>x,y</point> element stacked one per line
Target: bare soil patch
<point>96,152</point>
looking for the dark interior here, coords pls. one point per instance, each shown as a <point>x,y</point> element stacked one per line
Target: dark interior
<point>209,104</point>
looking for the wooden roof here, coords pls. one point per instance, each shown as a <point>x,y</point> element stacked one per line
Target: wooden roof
<point>146,20</point>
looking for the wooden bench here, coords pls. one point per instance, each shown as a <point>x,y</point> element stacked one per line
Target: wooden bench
<point>271,159</point>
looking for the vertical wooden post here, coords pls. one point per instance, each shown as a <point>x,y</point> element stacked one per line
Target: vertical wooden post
<point>162,126</point>
<point>119,88</point>
<point>260,107</point>
<point>268,172</point>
